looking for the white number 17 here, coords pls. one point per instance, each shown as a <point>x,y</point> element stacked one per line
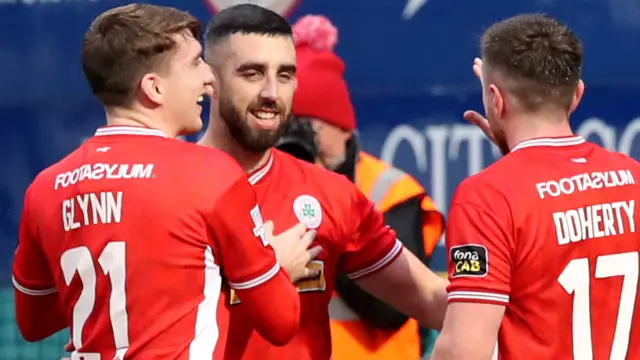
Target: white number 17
<point>575,280</point>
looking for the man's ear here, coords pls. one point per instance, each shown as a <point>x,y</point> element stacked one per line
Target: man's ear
<point>497,100</point>
<point>216,83</point>
<point>577,96</point>
<point>153,89</point>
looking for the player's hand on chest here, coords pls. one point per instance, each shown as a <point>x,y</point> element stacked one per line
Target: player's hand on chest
<point>307,209</point>
<point>286,211</point>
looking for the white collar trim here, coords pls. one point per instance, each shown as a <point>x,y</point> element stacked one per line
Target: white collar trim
<point>554,142</point>
<point>256,176</point>
<point>128,130</point>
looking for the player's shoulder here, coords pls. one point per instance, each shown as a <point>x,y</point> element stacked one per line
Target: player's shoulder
<point>201,153</point>
<point>491,178</point>
<point>489,188</point>
<point>45,179</point>
<point>315,181</point>
<point>213,166</point>
<point>304,169</point>
<point>312,173</point>
<point>615,158</point>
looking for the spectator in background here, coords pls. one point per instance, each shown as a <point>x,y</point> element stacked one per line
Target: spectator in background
<point>323,131</point>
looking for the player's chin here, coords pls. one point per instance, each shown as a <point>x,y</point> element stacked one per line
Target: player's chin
<point>193,126</point>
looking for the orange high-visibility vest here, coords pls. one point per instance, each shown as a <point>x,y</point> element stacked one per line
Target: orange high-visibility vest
<point>352,339</point>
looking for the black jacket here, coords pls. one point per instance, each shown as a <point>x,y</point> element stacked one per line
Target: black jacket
<point>406,219</point>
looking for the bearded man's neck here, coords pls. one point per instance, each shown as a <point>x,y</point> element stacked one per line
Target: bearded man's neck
<point>248,160</point>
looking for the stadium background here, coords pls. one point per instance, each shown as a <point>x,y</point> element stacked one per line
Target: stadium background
<point>408,67</point>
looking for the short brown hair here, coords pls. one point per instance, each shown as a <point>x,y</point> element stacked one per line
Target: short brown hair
<point>125,43</point>
<point>539,59</point>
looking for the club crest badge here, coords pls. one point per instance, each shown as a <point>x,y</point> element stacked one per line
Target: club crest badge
<point>308,211</point>
<point>282,7</point>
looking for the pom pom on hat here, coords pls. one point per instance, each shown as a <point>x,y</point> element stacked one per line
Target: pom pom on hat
<point>315,31</point>
<point>322,92</point>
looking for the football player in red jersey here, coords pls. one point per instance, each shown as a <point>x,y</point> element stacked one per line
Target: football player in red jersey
<point>252,54</point>
<point>128,238</point>
<point>543,243</point>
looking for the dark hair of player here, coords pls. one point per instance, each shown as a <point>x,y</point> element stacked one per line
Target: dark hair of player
<point>246,19</point>
<point>537,58</point>
<point>125,43</point>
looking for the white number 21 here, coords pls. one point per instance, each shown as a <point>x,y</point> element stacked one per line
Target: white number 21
<point>575,280</point>
<point>112,262</point>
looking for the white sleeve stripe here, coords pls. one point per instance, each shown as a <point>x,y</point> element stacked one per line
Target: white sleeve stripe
<point>26,291</point>
<point>397,247</point>
<point>477,295</point>
<point>258,280</point>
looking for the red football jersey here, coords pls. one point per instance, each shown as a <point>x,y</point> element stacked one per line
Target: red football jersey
<point>353,236</point>
<point>132,229</point>
<point>549,231</point>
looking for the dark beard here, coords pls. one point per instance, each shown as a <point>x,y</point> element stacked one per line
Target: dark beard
<point>501,142</point>
<point>254,141</point>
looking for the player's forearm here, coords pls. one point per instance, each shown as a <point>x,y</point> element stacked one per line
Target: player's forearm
<point>38,317</point>
<point>412,288</point>
<point>447,348</point>
<point>444,349</point>
<point>274,308</point>
<point>470,331</point>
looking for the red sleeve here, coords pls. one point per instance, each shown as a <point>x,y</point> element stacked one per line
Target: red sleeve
<point>371,244</point>
<point>39,313</point>
<point>479,247</point>
<point>31,273</point>
<point>250,265</point>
